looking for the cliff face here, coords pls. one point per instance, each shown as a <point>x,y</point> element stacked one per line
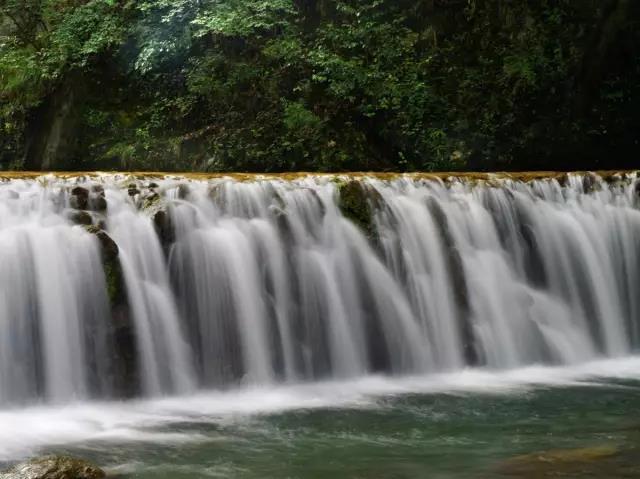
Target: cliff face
<point>281,85</point>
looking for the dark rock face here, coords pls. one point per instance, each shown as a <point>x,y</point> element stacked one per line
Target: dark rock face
<point>109,247</point>
<point>82,199</point>
<point>357,203</point>
<point>458,281</point>
<point>164,227</point>
<point>81,218</point>
<point>589,182</point>
<point>98,203</point>
<point>133,190</point>
<point>122,329</point>
<point>54,467</point>
<point>79,198</point>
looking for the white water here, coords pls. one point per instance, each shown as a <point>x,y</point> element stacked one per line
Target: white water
<point>266,283</point>
<point>96,425</point>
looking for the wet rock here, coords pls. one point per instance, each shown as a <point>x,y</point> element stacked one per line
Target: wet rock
<point>125,355</point>
<point>153,186</point>
<point>109,247</point>
<point>217,195</point>
<point>589,182</point>
<point>613,178</point>
<point>164,226</point>
<point>111,264</point>
<point>133,191</point>
<point>99,203</point>
<point>183,191</point>
<point>563,179</point>
<point>79,199</point>
<point>636,189</point>
<point>54,467</point>
<point>98,190</point>
<point>458,282</point>
<point>157,208</point>
<point>150,201</point>
<point>357,203</point>
<point>81,217</point>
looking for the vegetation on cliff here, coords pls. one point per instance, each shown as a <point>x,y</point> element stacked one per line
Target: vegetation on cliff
<point>279,85</point>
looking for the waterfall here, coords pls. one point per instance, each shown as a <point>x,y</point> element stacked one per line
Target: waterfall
<point>262,281</point>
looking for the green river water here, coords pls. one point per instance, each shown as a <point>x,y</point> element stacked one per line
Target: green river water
<point>537,422</point>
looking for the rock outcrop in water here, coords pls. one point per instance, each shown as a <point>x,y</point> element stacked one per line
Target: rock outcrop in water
<point>54,467</point>
<point>358,201</point>
<point>124,360</point>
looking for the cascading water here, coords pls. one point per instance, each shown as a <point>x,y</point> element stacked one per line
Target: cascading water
<point>273,281</point>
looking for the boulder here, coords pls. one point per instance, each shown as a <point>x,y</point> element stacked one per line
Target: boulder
<point>98,203</point>
<point>54,467</point>
<point>133,190</point>
<point>358,202</point>
<point>81,217</point>
<point>98,190</point>
<point>79,199</point>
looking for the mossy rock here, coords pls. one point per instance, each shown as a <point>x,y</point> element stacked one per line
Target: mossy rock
<point>54,467</point>
<point>590,182</point>
<point>111,264</point>
<point>151,201</point>
<point>79,198</point>
<point>80,217</point>
<point>99,203</point>
<point>358,202</point>
<point>157,208</point>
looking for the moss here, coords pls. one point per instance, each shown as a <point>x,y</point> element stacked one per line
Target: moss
<point>151,201</point>
<point>111,265</point>
<point>357,202</point>
<point>115,281</point>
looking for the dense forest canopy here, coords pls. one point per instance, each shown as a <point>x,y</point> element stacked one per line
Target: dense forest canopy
<point>276,85</point>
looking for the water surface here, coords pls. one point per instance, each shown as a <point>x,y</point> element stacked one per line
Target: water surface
<point>577,422</point>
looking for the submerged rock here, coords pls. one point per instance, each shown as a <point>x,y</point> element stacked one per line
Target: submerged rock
<point>54,467</point>
<point>599,461</point>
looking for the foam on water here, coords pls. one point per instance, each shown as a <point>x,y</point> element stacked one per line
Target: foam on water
<point>26,431</point>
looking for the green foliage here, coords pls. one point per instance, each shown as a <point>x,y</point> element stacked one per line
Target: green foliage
<point>272,85</point>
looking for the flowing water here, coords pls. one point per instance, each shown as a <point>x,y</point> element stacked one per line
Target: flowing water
<point>320,327</point>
